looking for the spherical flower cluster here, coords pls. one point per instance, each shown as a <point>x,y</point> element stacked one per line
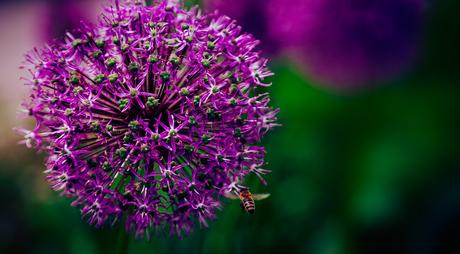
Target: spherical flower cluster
<point>150,116</point>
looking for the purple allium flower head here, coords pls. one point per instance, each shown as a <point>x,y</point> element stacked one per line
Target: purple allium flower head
<point>351,43</point>
<point>150,116</point>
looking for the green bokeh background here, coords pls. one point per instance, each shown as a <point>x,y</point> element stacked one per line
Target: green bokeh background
<point>375,171</point>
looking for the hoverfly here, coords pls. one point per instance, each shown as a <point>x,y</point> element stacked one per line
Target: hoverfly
<point>247,198</point>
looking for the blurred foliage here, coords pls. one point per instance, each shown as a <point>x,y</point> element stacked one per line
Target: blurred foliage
<point>376,171</point>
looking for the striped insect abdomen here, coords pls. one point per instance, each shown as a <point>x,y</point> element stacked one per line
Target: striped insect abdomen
<point>247,202</point>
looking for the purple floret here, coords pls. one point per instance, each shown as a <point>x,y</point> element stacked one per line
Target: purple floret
<point>151,115</point>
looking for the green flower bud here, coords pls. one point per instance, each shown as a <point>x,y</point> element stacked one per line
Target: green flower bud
<point>121,152</point>
<point>155,137</point>
<point>184,91</point>
<point>122,103</point>
<point>68,112</point>
<point>211,45</point>
<point>153,59</point>
<point>100,43</point>
<point>113,77</point>
<point>152,102</point>
<point>133,67</point>
<point>134,125</point>
<point>110,62</point>
<point>99,78</point>
<point>165,76</point>
<point>77,42</point>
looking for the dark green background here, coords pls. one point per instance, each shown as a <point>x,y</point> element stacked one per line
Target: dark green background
<point>375,171</point>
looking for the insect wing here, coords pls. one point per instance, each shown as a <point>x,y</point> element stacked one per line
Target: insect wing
<point>231,195</point>
<point>260,196</point>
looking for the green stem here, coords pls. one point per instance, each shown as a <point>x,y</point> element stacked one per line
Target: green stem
<point>123,241</point>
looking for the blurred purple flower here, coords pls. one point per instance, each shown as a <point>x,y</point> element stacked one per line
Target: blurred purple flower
<point>343,43</point>
<point>66,15</point>
<point>288,21</point>
<point>151,114</point>
<point>354,43</point>
<point>250,14</point>
<point>236,9</point>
